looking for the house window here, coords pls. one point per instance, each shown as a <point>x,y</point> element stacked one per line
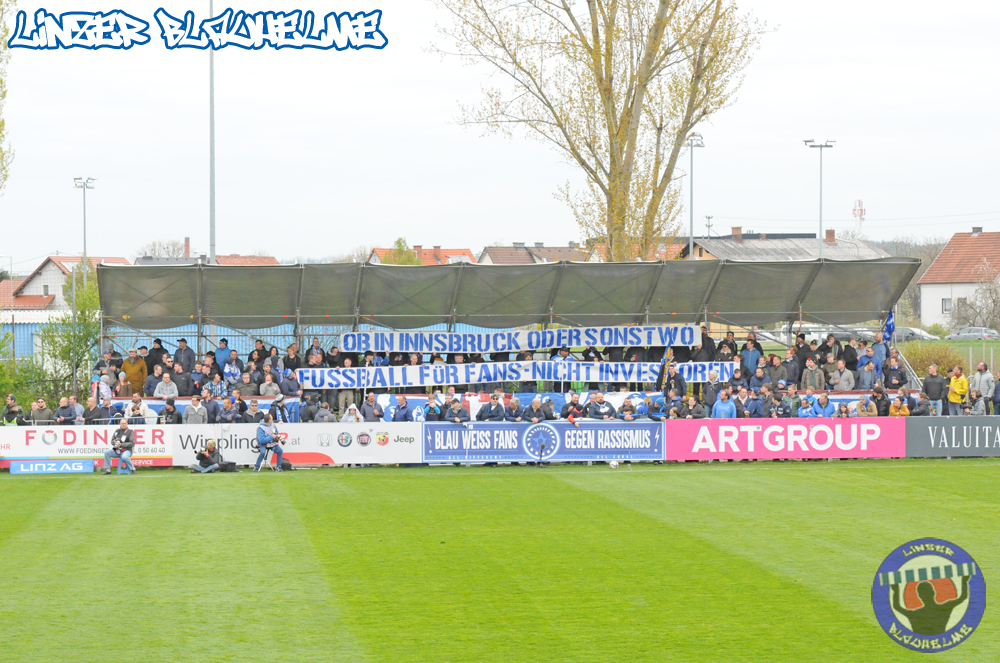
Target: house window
<point>946,305</point>
<point>45,290</point>
<point>701,252</point>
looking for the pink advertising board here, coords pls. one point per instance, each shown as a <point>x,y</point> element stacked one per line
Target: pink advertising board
<point>763,439</point>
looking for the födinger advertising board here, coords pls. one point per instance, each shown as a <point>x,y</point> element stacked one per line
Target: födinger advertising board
<point>952,436</point>
<point>306,444</point>
<point>749,439</point>
<point>517,442</point>
<point>153,444</point>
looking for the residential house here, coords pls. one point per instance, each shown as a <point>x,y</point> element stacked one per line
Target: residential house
<point>763,247</point>
<point>966,261</point>
<point>522,254</point>
<point>433,256</point>
<point>43,289</point>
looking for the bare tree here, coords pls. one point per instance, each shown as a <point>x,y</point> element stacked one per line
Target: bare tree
<point>983,308</point>
<point>616,86</point>
<point>168,248</point>
<point>6,152</point>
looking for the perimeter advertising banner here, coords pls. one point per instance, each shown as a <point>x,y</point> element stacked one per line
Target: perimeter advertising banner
<point>952,436</point>
<point>305,444</point>
<point>549,441</point>
<point>153,444</point>
<point>772,439</point>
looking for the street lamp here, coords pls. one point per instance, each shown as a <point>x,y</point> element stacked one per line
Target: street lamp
<point>81,183</point>
<point>812,143</point>
<point>692,142</point>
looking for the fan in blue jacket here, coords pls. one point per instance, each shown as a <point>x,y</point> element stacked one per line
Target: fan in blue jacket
<point>823,409</point>
<point>514,412</point>
<point>806,411</point>
<point>724,408</point>
<point>492,412</point>
<point>753,409</point>
<point>403,411</point>
<point>759,379</point>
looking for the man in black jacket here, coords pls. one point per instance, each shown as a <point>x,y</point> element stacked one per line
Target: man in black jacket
<point>122,444</point>
<point>96,416</point>
<point>850,355</point>
<point>923,408</point>
<point>209,459</point>
<point>170,414</point>
<point>881,402</point>
<point>253,415</point>
<point>492,412</point>
<point>573,408</point>
<point>893,375</point>
<point>936,388</point>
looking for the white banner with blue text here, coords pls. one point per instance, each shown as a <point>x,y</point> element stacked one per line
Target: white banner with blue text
<point>520,341</point>
<point>392,377</point>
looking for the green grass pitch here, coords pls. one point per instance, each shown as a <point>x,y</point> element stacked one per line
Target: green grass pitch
<point>720,562</point>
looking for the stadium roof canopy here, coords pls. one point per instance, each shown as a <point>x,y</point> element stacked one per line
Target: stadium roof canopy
<point>503,296</point>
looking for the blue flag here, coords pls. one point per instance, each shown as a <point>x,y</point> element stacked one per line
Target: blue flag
<point>890,326</point>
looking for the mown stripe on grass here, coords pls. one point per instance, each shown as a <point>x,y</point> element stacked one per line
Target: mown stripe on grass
<point>195,568</point>
<point>533,568</point>
<point>828,528</point>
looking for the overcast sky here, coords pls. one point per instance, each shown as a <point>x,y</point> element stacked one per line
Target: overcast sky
<point>320,151</point>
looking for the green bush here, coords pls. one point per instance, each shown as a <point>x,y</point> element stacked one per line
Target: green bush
<point>921,355</point>
<point>937,329</point>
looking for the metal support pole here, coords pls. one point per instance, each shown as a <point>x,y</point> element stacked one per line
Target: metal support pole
<point>821,204</point>
<point>211,144</point>
<point>693,142</point>
<point>821,146</point>
<point>84,262</point>
<point>201,331</point>
<point>73,335</point>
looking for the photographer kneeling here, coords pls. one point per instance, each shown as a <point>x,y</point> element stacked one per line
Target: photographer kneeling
<point>208,458</point>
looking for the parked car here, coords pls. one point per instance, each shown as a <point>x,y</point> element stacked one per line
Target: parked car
<point>907,334</point>
<point>974,334</point>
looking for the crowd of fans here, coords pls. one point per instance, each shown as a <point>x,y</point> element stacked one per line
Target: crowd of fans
<point>223,387</point>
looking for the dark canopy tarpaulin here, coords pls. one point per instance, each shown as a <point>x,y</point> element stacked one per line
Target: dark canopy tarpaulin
<point>503,296</point>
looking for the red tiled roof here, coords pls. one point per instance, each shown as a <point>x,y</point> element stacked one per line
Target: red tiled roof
<point>962,259</point>
<point>31,302</point>
<point>246,261</point>
<point>434,256</point>
<point>62,261</point>
<point>7,288</point>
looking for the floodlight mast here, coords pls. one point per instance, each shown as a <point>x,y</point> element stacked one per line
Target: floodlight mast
<point>84,183</point>
<point>692,142</point>
<point>809,142</point>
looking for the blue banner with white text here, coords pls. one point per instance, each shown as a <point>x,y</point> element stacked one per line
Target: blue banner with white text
<point>481,442</point>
